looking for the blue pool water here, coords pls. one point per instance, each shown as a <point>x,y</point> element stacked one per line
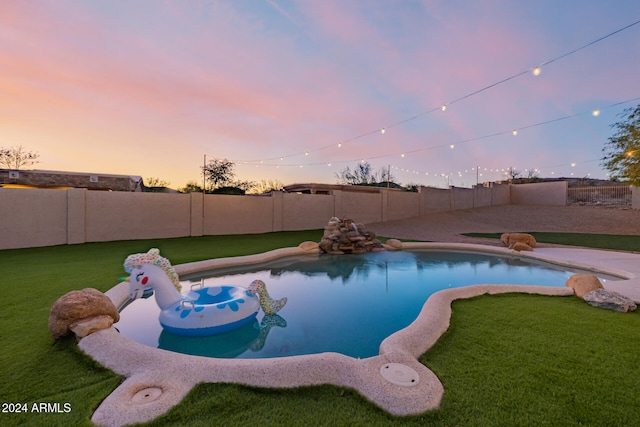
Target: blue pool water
<point>341,303</point>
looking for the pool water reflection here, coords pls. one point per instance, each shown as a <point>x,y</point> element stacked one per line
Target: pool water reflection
<point>341,303</point>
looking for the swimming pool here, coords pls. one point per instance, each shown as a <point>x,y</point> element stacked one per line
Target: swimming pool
<point>343,304</point>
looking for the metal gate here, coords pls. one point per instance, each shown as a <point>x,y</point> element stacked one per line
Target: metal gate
<point>612,196</point>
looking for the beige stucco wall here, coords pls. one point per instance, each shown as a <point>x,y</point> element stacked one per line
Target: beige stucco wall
<point>402,205</point>
<point>434,200</point>
<point>76,215</point>
<point>227,214</point>
<point>117,215</point>
<point>306,211</point>
<point>500,195</point>
<point>543,193</point>
<point>32,217</point>
<point>463,198</point>
<point>361,207</point>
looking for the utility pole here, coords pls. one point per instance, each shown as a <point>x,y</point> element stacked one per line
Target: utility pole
<point>388,175</point>
<point>204,175</point>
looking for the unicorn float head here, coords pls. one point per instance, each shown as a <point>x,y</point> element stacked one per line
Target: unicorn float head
<point>200,312</point>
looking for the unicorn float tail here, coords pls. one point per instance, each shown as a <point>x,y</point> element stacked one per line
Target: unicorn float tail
<point>268,304</point>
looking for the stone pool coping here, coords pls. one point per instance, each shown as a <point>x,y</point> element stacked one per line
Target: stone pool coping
<point>156,379</point>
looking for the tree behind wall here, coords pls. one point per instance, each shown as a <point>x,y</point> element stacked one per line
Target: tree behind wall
<point>622,150</point>
<point>17,157</point>
<point>219,172</point>
<point>220,175</point>
<point>363,175</point>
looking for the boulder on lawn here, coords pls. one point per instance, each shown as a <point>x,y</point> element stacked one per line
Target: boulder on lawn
<point>519,246</point>
<point>610,300</point>
<point>582,284</point>
<point>509,239</point>
<point>87,310</point>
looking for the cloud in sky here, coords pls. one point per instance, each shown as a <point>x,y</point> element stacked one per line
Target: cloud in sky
<point>147,88</point>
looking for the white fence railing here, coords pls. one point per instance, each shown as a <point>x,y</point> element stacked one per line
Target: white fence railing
<point>613,196</point>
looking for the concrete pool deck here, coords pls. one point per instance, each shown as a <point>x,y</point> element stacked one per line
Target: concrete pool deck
<point>395,380</point>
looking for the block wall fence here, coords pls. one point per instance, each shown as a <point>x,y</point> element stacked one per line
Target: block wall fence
<point>39,217</point>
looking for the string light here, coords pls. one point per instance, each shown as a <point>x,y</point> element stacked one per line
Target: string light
<point>595,113</point>
<point>535,70</point>
<point>462,141</point>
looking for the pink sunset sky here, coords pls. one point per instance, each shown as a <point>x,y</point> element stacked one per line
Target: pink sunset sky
<point>148,88</point>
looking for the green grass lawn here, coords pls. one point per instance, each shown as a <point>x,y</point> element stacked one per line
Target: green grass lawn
<point>600,241</point>
<point>506,360</point>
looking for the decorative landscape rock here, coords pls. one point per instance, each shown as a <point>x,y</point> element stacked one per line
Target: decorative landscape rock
<point>84,311</point>
<point>344,236</point>
<point>88,326</point>
<point>510,239</point>
<point>519,246</point>
<point>609,300</point>
<point>309,246</point>
<point>582,284</point>
<point>393,244</point>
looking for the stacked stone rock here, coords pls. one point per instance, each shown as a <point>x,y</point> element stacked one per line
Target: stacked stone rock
<point>343,236</point>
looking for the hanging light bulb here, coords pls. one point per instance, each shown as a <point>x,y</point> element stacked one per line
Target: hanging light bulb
<point>573,165</point>
<point>306,153</point>
<point>536,71</point>
<point>596,113</point>
<point>515,132</point>
<point>452,146</point>
<point>402,155</point>
<point>383,130</point>
<point>444,107</point>
<point>339,144</point>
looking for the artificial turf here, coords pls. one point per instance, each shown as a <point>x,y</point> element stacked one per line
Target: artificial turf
<point>629,243</point>
<point>506,359</point>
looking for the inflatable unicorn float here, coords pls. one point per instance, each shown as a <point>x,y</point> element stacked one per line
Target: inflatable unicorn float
<point>200,312</point>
